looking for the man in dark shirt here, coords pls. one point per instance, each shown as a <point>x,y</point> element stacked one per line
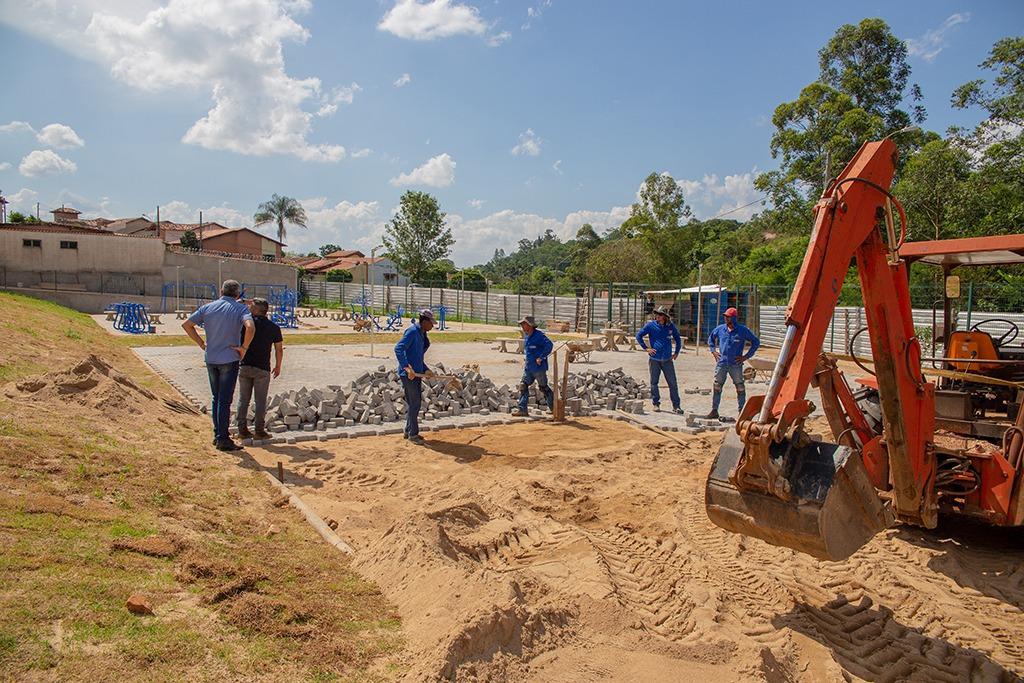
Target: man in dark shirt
<point>254,373</point>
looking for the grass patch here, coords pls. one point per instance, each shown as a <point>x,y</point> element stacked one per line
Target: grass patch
<point>79,473</point>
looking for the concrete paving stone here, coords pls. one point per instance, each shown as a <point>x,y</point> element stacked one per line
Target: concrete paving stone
<point>290,440</point>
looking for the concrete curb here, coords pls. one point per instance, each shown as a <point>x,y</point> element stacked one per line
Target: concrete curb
<point>314,519</point>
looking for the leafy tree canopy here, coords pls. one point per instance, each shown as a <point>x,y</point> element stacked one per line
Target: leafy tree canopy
<point>417,235</point>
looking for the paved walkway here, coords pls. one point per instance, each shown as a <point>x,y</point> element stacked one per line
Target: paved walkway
<point>317,366</point>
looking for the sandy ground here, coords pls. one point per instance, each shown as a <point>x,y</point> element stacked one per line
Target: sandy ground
<point>536,552</point>
<point>170,325</point>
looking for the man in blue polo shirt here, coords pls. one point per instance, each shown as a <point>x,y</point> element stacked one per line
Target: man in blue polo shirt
<point>665,345</point>
<point>409,352</point>
<point>223,320</point>
<point>727,343</point>
<point>537,348</point>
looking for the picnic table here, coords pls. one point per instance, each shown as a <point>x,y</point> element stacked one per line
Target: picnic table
<point>503,343</point>
<point>154,318</point>
<point>613,336</point>
<point>181,314</point>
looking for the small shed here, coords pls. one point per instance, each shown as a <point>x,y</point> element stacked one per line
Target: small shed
<point>713,300</point>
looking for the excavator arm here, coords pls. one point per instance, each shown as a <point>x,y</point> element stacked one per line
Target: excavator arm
<point>770,479</point>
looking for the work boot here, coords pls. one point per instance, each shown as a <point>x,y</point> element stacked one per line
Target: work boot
<point>677,410</point>
<point>657,408</point>
<point>228,445</point>
<point>244,433</point>
<point>417,440</point>
<point>713,415</point>
<point>519,412</point>
<point>261,435</point>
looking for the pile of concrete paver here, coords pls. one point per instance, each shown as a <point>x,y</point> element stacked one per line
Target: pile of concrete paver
<point>377,397</point>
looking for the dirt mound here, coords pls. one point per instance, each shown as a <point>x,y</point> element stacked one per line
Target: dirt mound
<point>91,382</point>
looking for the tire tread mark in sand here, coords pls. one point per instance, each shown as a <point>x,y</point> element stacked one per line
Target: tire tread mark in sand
<point>758,587</point>
<point>869,643</point>
<point>648,579</point>
<point>343,475</point>
<point>520,547</point>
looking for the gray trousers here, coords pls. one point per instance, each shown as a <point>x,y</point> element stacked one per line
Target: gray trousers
<point>252,382</point>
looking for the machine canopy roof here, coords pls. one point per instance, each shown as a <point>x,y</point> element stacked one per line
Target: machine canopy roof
<point>968,251</point>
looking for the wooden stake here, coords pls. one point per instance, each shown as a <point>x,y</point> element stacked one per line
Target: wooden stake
<point>280,471</point>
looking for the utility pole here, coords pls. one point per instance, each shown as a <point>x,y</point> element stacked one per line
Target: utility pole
<point>700,302</point>
<point>37,211</point>
<point>200,231</point>
<point>158,233</point>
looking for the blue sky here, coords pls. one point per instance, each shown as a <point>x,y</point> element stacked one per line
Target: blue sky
<point>519,116</point>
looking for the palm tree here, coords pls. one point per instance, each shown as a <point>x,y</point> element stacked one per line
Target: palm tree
<point>280,210</point>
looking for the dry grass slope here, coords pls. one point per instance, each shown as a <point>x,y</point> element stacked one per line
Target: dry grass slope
<point>106,491</point>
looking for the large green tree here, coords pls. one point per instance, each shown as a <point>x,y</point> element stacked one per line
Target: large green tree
<point>417,235</point>
<point>328,248</point>
<point>931,186</point>
<point>862,85</point>
<point>624,260</point>
<point>280,210</point>
<point>660,218</point>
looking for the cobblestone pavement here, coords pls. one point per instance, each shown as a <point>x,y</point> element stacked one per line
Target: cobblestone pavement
<point>317,366</point>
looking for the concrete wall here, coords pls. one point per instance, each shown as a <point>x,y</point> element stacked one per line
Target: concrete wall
<point>87,302</point>
<point>120,268</point>
<point>103,252</point>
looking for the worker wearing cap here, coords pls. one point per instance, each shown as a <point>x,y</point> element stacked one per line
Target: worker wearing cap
<point>727,343</point>
<point>409,351</point>
<point>665,344</point>
<point>537,348</point>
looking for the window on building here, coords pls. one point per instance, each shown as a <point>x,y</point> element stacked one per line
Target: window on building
<point>32,243</point>
<point>390,277</point>
<point>68,244</point>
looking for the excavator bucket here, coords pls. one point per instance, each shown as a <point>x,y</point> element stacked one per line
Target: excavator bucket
<point>834,509</point>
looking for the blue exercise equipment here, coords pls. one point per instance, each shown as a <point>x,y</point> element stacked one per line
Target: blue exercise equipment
<point>282,307</point>
<point>132,318</point>
<point>442,311</point>
<point>394,321</point>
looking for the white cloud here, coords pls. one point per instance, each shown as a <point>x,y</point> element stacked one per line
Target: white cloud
<point>45,162</point>
<point>734,195</point>
<point>17,127</point>
<point>404,79</point>
<point>476,239</point>
<point>432,19</point>
<point>360,153</point>
<point>557,167</point>
<point>23,200</point>
<point>233,50</point>
<point>496,39</point>
<point>90,208</point>
<point>529,144</point>
<point>535,12</point>
<point>181,212</point>
<point>4,165</point>
<point>477,203</point>
<point>932,42</point>
<point>351,225</point>
<point>60,136</point>
<point>438,171</point>
<point>344,95</point>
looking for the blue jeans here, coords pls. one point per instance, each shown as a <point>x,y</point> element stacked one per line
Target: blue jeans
<point>529,377</point>
<point>735,372</point>
<point>413,401</point>
<point>663,366</point>
<point>222,386</point>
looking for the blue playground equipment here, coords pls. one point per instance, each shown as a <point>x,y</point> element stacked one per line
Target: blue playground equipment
<point>200,292</point>
<point>132,318</point>
<point>442,311</point>
<point>365,301</point>
<point>394,322</point>
<point>282,307</point>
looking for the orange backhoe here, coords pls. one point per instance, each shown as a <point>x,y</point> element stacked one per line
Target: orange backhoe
<point>771,480</point>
